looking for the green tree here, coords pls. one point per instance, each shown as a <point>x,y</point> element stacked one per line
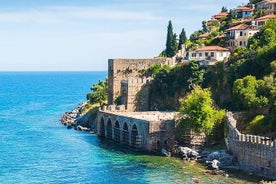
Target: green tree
<point>195,35</point>
<point>196,74</point>
<point>171,41</point>
<point>224,9</point>
<point>175,44</point>
<point>204,26</point>
<point>98,93</point>
<point>265,37</point>
<point>254,1</point>
<point>248,93</point>
<point>197,111</point>
<point>182,39</point>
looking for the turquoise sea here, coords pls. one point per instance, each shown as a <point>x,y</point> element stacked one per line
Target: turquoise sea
<point>36,148</point>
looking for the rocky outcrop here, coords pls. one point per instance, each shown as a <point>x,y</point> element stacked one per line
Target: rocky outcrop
<point>74,119</point>
<point>187,153</point>
<point>218,159</point>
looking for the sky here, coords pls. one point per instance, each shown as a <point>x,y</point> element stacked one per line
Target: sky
<point>81,35</point>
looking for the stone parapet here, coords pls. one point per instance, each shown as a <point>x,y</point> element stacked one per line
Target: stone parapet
<point>254,153</point>
<point>113,108</point>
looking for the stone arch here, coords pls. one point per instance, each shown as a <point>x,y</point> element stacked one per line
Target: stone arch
<point>109,129</point>
<point>102,128</point>
<point>125,133</point>
<point>134,134</point>
<point>117,132</point>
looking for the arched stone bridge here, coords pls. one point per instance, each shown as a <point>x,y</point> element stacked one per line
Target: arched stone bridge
<point>149,131</point>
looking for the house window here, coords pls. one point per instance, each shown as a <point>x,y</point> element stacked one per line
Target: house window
<point>212,54</point>
<point>193,54</point>
<point>240,43</point>
<point>244,43</point>
<point>200,54</point>
<point>240,33</point>
<point>206,54</point>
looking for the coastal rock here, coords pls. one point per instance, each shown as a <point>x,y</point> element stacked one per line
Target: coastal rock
<point>222,156</point>
<point>187,153</point>
<point>81,128</point>
<point>214,164</point>
<point>166,153</point>
<point>74,118</point>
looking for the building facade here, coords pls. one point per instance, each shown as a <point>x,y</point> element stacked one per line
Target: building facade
<point>239,35</point>
<point>244,12</point>
<point>209,55</point>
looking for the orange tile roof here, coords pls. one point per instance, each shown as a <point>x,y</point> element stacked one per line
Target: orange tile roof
<point>212,48</point>
<point>238,27</point>
<point>222,14</point>
<point>266,17</point>
<point>244,8</point>
<point>212,20</point>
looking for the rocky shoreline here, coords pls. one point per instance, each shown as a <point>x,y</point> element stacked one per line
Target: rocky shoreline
<point>216,161</point>
<point>75,119</point>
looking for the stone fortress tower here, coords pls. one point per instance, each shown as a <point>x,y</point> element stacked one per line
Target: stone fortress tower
<point>125,81</point>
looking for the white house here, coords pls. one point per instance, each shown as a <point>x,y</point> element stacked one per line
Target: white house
<point>261,20</point>
<point>268,5</point>
<point>271,7</point>
<point>239,35</point>
<point>209,55</point>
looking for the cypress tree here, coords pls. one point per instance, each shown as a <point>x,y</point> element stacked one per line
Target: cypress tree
<point>175,44</point>
<point>170,43</point>
<point>182,38</point>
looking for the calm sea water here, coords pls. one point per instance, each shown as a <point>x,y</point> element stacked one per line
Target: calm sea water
<point>36,148</point>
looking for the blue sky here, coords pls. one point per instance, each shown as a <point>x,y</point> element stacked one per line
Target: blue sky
<point>81,35</point>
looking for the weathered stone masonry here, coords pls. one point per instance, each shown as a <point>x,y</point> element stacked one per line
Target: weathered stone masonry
<point>125,74</point>
<point>254,153</point>
<point>148,131</point>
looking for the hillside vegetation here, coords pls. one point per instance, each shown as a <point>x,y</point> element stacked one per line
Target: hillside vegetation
<point>245,83</point>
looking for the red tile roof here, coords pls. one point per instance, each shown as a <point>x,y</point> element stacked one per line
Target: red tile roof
<point>266,17</point>
<point>212,20</point>
<point>211,48</point>
<point>222,14</point>
<point>244,8</point>
<point>238,27</point>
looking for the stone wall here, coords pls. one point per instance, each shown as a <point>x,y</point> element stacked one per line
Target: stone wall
<point>135,93</point>
<point>123,69</point>
<point>147,131</point>
<point>195,140</point>
<point>254,153</point>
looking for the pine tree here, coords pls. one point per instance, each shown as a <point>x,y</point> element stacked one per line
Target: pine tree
<point>182,38</point>
<point>171,42</point>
